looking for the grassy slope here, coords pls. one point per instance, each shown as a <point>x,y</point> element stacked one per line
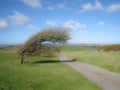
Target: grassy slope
<point>40,76</point>
<point>107,60</point>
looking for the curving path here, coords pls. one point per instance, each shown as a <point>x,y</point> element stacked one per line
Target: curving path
<point>103,78</point>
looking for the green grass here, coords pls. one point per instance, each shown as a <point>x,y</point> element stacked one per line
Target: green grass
<point>107,60</point>
<point>40,76</point>
<point>77,48</point>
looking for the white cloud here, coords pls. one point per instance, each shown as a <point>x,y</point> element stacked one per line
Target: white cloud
<point>62,5</point>
<point>100,33</point>
<point>51,8</point>
<point>71,24</point>
<point>32,27</point>
<point>51,23</point>
<point>101,23</point>
<point>58,6</point>
<point>3,24</point>
<point>79,25</point>
<point>19,19</point>
<point>33,3</point>
<point>113,8</point>
<point>98,6</point>
<point>89,6</point>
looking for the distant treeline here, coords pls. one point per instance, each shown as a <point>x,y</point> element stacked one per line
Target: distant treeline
<point>114,47</point>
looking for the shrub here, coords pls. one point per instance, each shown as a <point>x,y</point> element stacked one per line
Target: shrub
<point>114,47</point>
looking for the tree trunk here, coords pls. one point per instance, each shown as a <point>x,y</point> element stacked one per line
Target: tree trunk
<point>22,57</point>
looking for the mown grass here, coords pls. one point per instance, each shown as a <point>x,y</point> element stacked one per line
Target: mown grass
<point>107,60</point>
<point>37,75</point>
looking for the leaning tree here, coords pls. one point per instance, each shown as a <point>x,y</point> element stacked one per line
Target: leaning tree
<point>38,44</point>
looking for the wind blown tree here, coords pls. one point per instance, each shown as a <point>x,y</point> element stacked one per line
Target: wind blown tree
<point>36,45</point>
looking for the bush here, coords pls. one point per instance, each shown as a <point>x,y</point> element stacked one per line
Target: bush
<point>114,47</point>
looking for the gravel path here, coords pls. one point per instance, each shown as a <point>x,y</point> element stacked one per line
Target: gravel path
<point>105,79</point>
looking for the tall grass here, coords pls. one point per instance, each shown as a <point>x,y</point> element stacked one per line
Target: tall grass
<point>107,60</point>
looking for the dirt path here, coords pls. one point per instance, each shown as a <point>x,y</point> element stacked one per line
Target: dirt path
<point>105,79</point>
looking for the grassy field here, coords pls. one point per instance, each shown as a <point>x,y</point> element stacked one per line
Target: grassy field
<point>107,60</point>
<point>78,48</point>
<point>40,74</point>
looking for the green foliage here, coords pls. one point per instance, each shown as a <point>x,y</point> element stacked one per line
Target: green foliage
<point>115,47</point>
<point>38,50</point>
<point>40,76</point>
<point>53,35</point>
<point>34,46</point>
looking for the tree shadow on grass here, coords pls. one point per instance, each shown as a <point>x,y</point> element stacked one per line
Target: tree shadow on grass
<point>52,61</point>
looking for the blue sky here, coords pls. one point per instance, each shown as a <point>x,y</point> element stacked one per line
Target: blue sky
<point>88,21</point>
